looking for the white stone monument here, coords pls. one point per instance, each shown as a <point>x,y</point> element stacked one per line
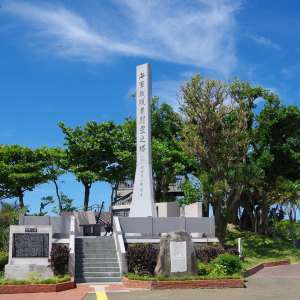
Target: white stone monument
<point>142,199</point>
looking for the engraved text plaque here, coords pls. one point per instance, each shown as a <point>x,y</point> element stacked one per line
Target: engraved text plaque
<point>30,245</point>
<point>178,257</point>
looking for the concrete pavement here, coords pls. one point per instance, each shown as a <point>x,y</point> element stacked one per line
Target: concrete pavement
<point>262,288</point>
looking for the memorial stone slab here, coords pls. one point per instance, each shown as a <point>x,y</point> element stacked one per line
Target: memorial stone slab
<point>29,249</point>
<point>143,197</point>
<point>177,257</point>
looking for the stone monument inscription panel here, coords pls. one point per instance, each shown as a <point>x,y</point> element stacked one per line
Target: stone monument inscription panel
<point>30,245</point>
<point>178,257</point>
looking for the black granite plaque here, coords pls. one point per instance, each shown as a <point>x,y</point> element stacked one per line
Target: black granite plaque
<point>30,229</point>
<point>30,245</point>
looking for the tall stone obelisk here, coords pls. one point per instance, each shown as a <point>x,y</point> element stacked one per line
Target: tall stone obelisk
<point>142,199</point>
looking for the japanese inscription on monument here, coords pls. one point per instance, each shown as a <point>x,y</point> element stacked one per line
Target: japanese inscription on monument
<point>178,257</point>
<point>30,245</point>
<point>143,199</point>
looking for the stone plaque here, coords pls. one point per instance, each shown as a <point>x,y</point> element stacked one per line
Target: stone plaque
<point>30,245</point>
<point>30,229</point>
<point>178,257</point>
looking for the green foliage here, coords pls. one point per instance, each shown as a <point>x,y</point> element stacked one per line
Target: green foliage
<point>22,169</point>
<point>90,151</point>
<point>262,248</point>
<point>204,269</point>
<point>3,259</point>
<point>53,280</point>
<point>66,204</point>
<point>33,277</point>
<point>131,276</point>
<point>233,264</point>
<point>9,215</point>
<point>218,270</point>
<point>44,202</point>
<point>192,191</point>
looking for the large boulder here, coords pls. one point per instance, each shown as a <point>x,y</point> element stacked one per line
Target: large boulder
<point>177,257</point>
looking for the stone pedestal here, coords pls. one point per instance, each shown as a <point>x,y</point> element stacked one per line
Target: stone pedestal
<point>21,272</point>
<point>29,249</point>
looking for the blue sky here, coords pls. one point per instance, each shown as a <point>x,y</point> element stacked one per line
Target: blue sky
<point>74,61</point>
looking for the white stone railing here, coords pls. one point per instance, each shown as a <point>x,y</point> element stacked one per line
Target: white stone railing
<point>120,247</point>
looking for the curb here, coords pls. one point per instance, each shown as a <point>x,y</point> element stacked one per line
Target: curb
<point>260,266</point>
<point>37,288</point>
<point>187,284</point>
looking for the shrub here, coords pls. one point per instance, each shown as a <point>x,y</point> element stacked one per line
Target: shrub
<point>233,251</point>
<point>233,264</point>
<point>204,269</point>
<point>218,270</point>
<point>208,254</point>
<point>141,259</point>
<point>59,259</point>
<point>3,259</point>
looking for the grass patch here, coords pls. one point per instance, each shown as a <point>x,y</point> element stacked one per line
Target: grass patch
<point>258,248</point>
<point>53,280</point>
<point>132,276</point>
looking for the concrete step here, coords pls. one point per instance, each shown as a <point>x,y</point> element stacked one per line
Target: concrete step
<point>98,265</point>
<point>89,245</point>
<point>98,280</point>
<point>95,239</point>
<point>91,260</point>
<point>97,274</point>
<point>96,269</point>
<point>94,251</point>
<point>98,255</point>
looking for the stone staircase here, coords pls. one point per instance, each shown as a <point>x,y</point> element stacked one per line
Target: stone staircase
<point>96,260</point>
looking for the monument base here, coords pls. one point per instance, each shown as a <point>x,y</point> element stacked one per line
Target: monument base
<point>142,208</point>
<point>21,272</point>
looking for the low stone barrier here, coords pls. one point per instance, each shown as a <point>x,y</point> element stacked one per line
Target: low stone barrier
<point>37,288</point>
<point>187,284</point>
<point>260,266</point>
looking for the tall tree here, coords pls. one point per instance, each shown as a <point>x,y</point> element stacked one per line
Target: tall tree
<point>22,169</point>
<point>217,120</point>
<point>276,153</point>
<point>89,152</point>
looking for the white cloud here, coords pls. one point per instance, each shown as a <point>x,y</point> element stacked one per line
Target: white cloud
<point>198,33</point>
<point>292,71</point>
<point>8,133</point>
<point>264,41</point>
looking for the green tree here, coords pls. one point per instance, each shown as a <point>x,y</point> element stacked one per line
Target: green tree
<point>66,204</point>
<point>89,152</point>
<point>9,215</point>
<point>217,131</point>
<point>274,154</point>
<point>289,195</point>
<point>22,169</point>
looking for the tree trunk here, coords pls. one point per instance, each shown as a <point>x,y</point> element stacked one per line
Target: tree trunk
<point>57,194</point>
<point>291,228</point>
<point>220,223</point>
<point>265,215</point>
<point>249,211</point>
<point>87,187</point>
<point>205,209</point>
<point>20,196</point>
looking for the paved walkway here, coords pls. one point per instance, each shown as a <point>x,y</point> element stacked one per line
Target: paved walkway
<point>280,282</point>
<point>74,294</point>
<point>288,270</point>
